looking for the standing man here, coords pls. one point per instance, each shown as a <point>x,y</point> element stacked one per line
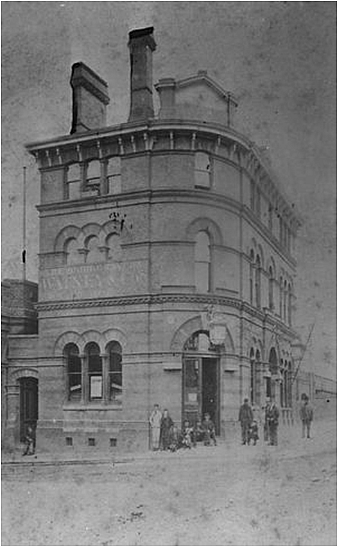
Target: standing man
<point>155,427</point>
<point>272,417</point>
<point>306,415</point>
<point>245,417</point>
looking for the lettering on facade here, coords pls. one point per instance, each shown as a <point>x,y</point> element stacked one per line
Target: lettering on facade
<point>87,281</point>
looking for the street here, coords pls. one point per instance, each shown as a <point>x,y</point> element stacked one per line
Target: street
<point>224,495</point>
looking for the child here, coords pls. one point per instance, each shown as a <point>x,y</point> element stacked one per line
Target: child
<point>209,430</point>
<point>174,438</point>
<point>253,432</point>
<point>187,432</point>
<point>29,442</point>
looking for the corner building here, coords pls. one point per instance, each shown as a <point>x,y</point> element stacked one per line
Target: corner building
<point>166,265</point>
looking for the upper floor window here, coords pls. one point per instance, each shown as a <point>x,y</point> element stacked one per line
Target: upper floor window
<point>202,262</point>
<point>202,170</point>
<point>72,252</point>
<point>289,304</point>
<point>251,280</point>
<point>114,175</point>
<point>73,181</point>
<point>94,254</point>
<point>92,175</point>
<point>271,282</point>
<point>258,281</point>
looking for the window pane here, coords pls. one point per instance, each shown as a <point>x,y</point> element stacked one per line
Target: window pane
<point>115,386</point>
<point>202,276</point>
<point>75,386</point>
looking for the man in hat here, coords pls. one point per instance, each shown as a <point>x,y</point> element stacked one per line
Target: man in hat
<point>245,417</point>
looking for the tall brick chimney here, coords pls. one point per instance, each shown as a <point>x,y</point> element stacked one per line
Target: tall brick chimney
<point>141,45</point>
<point>90,98</point>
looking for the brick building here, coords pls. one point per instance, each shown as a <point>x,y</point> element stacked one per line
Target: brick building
<point>166,265</point>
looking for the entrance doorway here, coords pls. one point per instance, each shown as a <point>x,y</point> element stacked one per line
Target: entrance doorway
<point>200,386</point>
<point>29,405</point>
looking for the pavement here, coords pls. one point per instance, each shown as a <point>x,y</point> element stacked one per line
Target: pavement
<point>289,439</point>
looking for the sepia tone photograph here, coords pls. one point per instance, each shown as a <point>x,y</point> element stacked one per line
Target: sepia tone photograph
<point>168,328</point>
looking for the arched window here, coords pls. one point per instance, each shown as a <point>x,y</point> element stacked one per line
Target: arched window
<point>257,392</point>
<point>285,290</point>
<point>202,170</point>
<point>289,305</point>
<point>114,351</point>
<point>74,371</point>
<point>202,262</point>
<point>94,366</point>
<point>258,281</point>
<point>281,296</point>
<point>252,376</point>
<point>72,253</point>
<point>271,282</point>
<point>94,254</point>
<point>251,281</point>
<point>281,385</point>
<point>289,389</point>
<point>114,248</point>
<point>273,368</point>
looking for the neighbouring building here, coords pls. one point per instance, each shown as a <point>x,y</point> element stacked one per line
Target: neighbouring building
<point>167,260</point>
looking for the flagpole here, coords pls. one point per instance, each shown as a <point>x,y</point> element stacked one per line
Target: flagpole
<point>23,257</point>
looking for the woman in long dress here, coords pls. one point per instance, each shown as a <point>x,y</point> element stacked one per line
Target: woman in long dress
<point>166,425</point>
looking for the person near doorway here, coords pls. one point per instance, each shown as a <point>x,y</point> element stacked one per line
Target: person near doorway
<point>155,427</point>
<point>272,418</point>
<point>29,442</point>
<point>245,418</point>
<point>253,433</point>
<point>306,415</point>
<point>187,434</point>
<point>265,407</point>
<point>209,430</point>
<point>166,425</point>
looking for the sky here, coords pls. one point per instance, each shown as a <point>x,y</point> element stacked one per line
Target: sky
<point>279,60</point>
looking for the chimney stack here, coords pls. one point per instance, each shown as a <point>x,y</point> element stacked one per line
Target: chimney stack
<point>141,45</point>
<point>90,98</point>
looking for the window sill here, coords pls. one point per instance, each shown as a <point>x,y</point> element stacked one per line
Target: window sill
<point>92,406</point>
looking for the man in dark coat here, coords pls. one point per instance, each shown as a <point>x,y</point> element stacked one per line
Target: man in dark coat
<point>245,417</point>
<point>272,418</point>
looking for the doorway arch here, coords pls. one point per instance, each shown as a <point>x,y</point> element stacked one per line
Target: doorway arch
<point>201,379</point>
<point>29,404</point>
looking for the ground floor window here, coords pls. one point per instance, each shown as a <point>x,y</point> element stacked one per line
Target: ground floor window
<point>94,376</point>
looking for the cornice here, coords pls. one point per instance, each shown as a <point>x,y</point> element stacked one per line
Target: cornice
<point>235,146</point>
<point>155,299</point>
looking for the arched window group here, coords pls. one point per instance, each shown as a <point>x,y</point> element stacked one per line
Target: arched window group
<point>93,244</point>
<point>94,376</point>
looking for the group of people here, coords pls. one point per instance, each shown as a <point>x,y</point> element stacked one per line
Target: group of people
<point>165,435</point>
<point>249,424</point>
